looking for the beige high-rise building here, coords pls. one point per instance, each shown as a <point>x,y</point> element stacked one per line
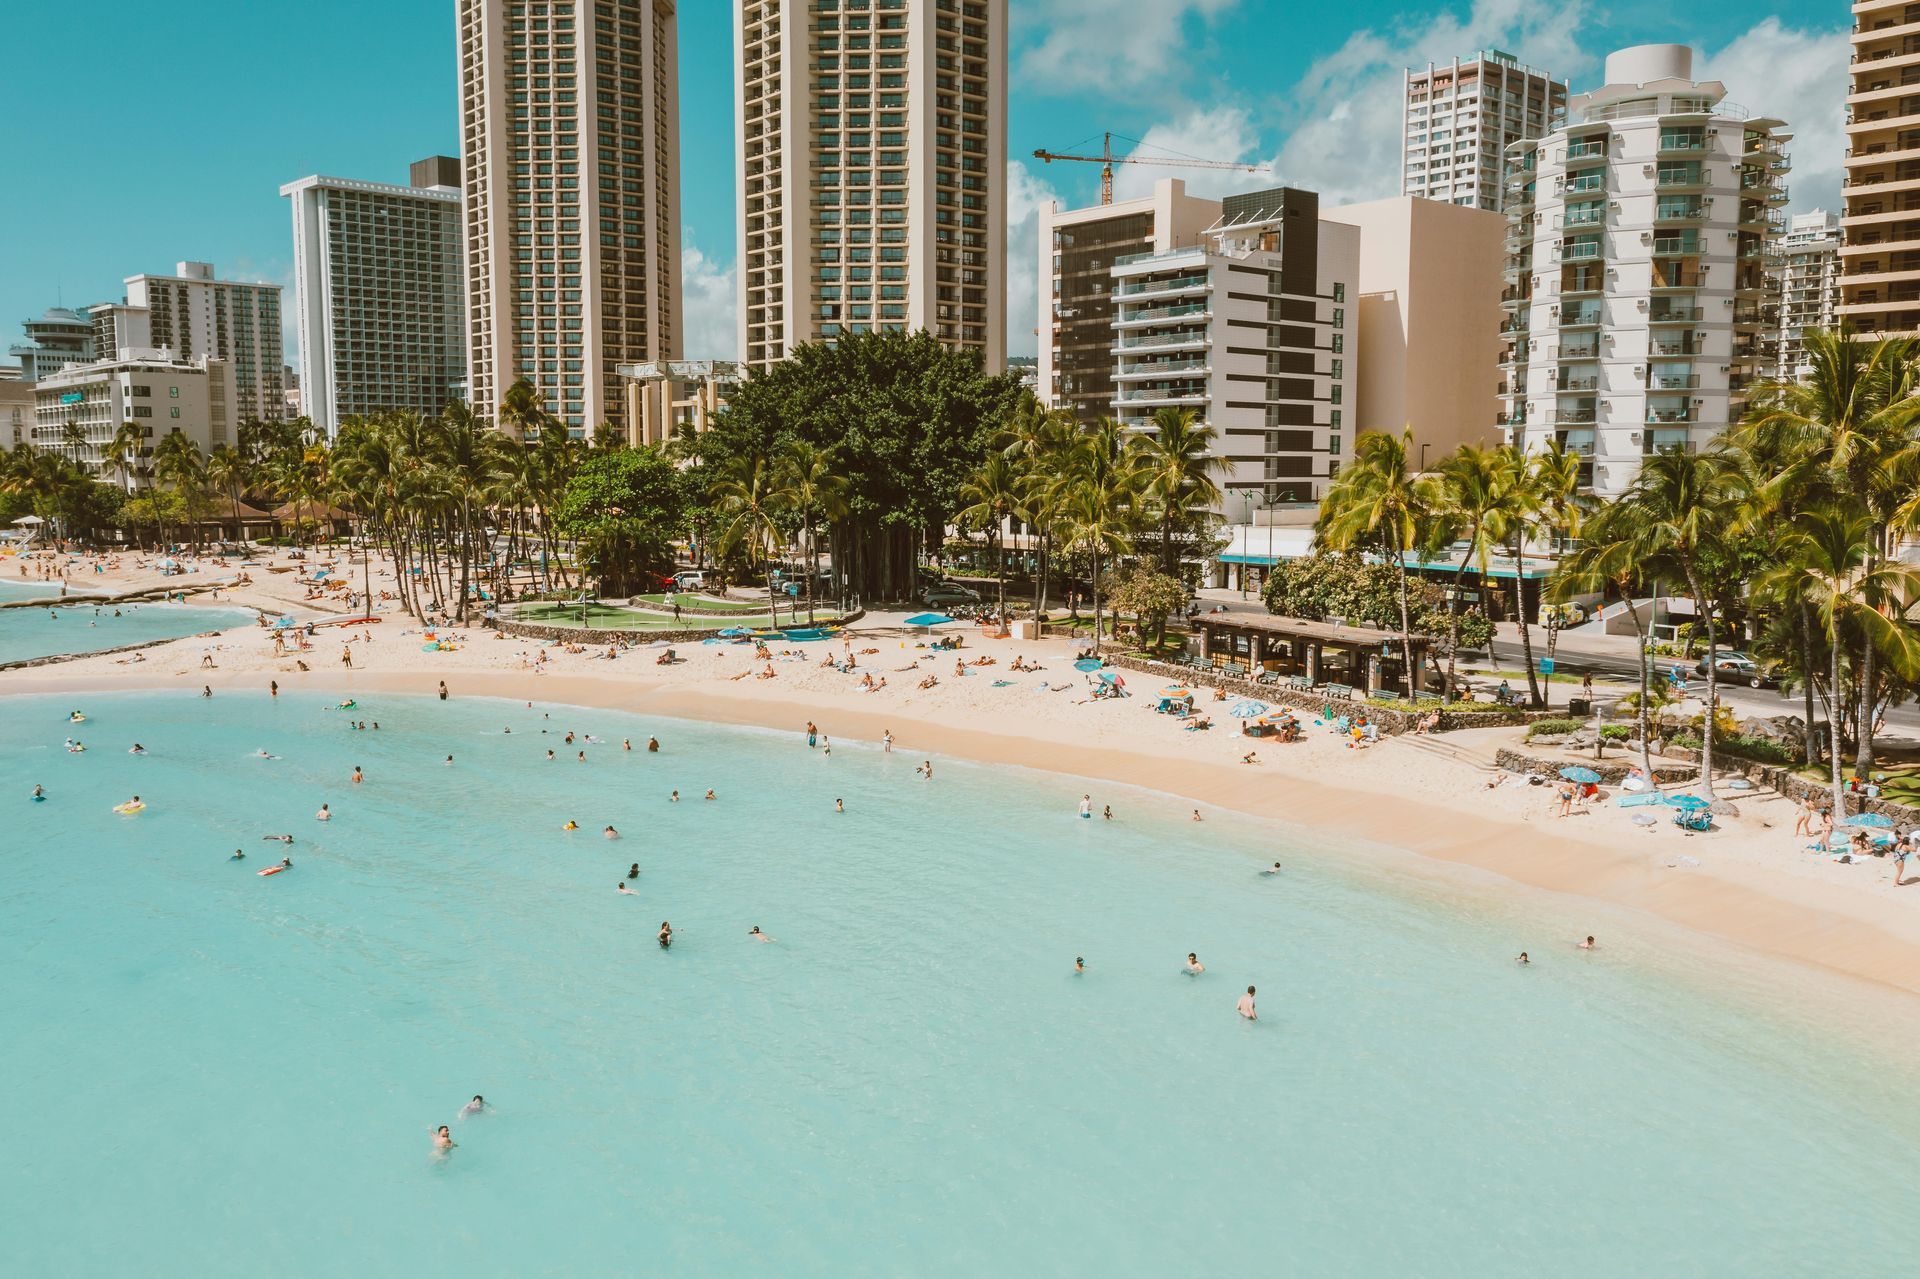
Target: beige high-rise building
<point>1806,282</point>
<point>1430,313</point>
<point>1880,260</point>
<point>1461,116</point>
<point>192,315</point>
<point>872,172</point>
<point>569,124</point>
<point>1078,250</point>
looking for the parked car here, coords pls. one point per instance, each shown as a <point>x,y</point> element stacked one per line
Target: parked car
<point>1562,615</point>
<point>1736,668</point>
<point>690,581</point>
<point>950,594</point>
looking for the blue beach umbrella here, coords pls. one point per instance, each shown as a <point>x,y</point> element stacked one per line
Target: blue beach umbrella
<point>1686,803</point>
<point>1088,664</point>
<point>1247,709</point>
<point>1874,821</point>
<point>732,632</point>
<point>1585,776</point>
<point>928,619</point>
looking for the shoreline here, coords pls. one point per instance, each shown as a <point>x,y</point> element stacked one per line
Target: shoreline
<point>1831,933</point>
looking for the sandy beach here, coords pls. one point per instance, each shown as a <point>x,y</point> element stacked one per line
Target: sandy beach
<point>1749,883</point>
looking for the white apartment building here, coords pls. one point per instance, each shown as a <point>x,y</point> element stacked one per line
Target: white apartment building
<point>192,314</point>
<point>569,126</point>
<point>872,171</point>
<point>198,398</point>
<point>379,279</point>
<point>1639,235</point>
<point>1806,281</point>
<point>1460,118</point>
<point>1078,248</point>
<point>1252,330</point>
<point>58,338</point>
<point>1880,260</point>
<point>16,413</point>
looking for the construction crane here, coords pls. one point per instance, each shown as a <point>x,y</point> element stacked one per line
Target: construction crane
<point>1107,159</point>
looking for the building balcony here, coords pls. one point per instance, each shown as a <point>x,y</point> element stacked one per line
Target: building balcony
<point>1676,347</point>
<point>1161,314</point>
<point>1577,351</point>
<point>1160,398</point>
<point>1676,315</point>
<point>1569,417</point>
<point>1673,381</point>
<point>1158,369</point>
<point>1572,384</point>
<point>1670,417</point>
<point>1163,288</point>
<point>1586,317</point>
<point>1184,340</point>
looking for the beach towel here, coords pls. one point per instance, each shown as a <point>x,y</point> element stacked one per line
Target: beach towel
<point>1637,801</point>
<point>1003,683</point>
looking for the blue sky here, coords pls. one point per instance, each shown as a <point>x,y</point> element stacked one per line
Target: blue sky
<point>142,134</point>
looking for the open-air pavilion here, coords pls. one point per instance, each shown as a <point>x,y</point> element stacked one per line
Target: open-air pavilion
<point>1310,654</point>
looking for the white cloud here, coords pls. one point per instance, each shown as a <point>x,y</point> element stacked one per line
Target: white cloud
<point>1799,77</point>
<point>1111,45</point>
<point>1343,118</point>
<point>1026,196</point>
<point>1215,133</point>
<point>709,305</point>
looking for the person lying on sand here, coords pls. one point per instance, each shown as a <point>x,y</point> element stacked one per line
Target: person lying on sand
<point>931,681</point>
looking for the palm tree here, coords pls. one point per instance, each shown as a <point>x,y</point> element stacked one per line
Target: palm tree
<point>751,498</point>
<point>1473,490</point>
<point>123,451</point>
<point>176,463</point>
<point>1379,501</point>
<point>992,494</point>
<point>1036,441</point>
<point>819,492</point>
<point>1097,490</point>
<point>468,452</point>
<point>1544,500</point>
<point>1828,561</point>
<point>1681,504</point>
<point>1613,554</point>
<point>1177,465</point>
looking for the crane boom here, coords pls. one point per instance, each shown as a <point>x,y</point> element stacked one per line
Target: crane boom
<point>1107,159</point>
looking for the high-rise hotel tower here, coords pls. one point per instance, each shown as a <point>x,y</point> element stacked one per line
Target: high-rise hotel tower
<point>569,124</point>
<point>872,156</point>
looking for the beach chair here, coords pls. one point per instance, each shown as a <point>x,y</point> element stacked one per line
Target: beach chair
<point>1698,819</point>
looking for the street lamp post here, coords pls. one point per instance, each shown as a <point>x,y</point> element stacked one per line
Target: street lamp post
<point>1248,495</point>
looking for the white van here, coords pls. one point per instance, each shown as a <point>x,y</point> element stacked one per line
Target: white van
<point>693,580</point>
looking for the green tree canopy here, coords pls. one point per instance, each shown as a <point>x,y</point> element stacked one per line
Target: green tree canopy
<point>624,507</point>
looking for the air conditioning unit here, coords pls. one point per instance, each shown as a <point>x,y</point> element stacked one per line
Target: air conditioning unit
<point>1726,368</point>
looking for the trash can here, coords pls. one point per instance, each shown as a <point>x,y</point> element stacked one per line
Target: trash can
<point>1579,707</point>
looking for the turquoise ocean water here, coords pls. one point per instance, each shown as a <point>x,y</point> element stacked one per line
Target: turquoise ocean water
<point>211,1073</point>
<point>39,632</point>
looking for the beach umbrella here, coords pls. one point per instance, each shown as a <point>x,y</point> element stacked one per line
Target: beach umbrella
<point>1872,821</point>
<point>731,632</point>
<point>28,520</point>
<point>925,620</point>
<point>1585,776</point>
<point>1686,803</point>
<point>1247,709</point>
<point>1088,664</point>
<point>1109,677</point>
<point>1174,690</point>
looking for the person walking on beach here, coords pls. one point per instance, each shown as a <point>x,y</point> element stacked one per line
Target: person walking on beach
<point>1803,822</point>
<point>1245,1006</point>
<point>813,734</point>
<point>443,690</point>
<point>346,657</point>
<point>273,687</point>
<point>886,740</point>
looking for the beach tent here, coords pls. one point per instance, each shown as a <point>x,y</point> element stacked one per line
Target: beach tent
<point>924,622</point>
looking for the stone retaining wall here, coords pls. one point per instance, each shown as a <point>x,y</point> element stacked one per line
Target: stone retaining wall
<point>56,658</point>
<point>1391,721</point>
<point>1612,771</point>
<point>582,635</point>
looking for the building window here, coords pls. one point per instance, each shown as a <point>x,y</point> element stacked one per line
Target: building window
<point>1335,396</point>
<point>1339,368</point>
<point>1339,295</point>
<point>1339,343</point>
<point>1334,419</point>
<point>173,392</point>
<point>175,410</point>
<point>1339,317</point>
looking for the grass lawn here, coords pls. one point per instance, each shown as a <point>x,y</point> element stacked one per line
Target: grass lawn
<point>687,600</point>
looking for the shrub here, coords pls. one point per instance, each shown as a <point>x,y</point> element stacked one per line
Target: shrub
<point>1759,749</point>
<point>1546,727</point>
<point>1615,733</point>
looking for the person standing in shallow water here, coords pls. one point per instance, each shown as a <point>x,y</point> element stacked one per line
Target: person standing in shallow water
<point>1245,1006</point>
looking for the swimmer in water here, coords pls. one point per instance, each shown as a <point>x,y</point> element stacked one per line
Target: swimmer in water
<point>278,839</point>
<point>583,757</point>
<point>1588,944</point>
<point>757,935</point>
<point>839,805</point>
<point>136,749</point>
<point>549,757</point>
<point>1245,1006</point>
<point>262,754</point>
<point>39,792</point>
<point>634,871</point>
<point>449,761</point>
<point>479,1104</point>
<point>1079,964</point>
<point>1272,870</point>
<point>238,856</point>
<point>571,825</point>
<point>1521,958</point>
<point>358,776</point>
<point>1107,812</point>
<point>1194,965</point>
<point>666,934</point>
<point>1086,806</point>
<point>710,794</point>
<point>286,863</point>
<point>653,746</point>
<point>626,743</point>
<point>674,798</point>
<point>443,1140</point>
<point>620,886</point>
<point>611,833</point>
<point>324,815</point>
